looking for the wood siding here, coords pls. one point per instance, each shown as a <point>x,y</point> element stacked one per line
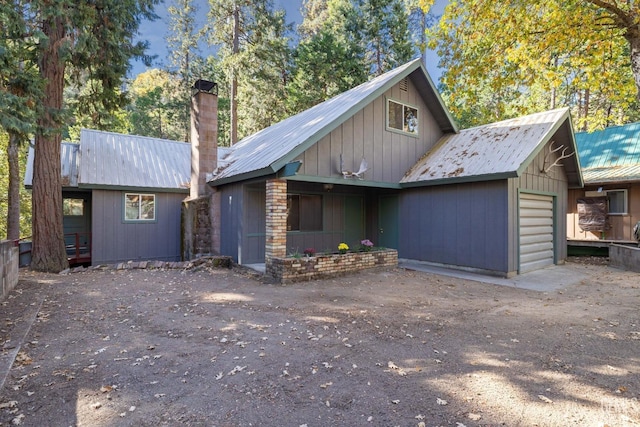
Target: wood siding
<point>389,154</point>
<point>621,225</point>
<point>463,225</point>
<point>231,214</point>
<point>554,183</point>
<point>117,241</point>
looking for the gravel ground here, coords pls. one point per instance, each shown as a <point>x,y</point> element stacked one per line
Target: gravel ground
<point>218,347</point>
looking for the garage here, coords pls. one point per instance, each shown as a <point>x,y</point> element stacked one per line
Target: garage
<point>536,232</point>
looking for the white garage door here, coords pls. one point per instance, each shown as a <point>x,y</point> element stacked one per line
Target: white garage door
<point>536,232</point>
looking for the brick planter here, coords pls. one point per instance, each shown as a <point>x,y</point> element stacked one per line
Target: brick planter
<point>288,270</point>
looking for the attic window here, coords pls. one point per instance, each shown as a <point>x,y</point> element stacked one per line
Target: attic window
<point>404,84</point>
<point>402,118</point>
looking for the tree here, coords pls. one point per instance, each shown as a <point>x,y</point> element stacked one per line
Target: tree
<point>585,57</point>
<point>323,67</point>
<point>93,37</point>
<point>253,49</point>
<point>184,59</point>
<point>19,89</point>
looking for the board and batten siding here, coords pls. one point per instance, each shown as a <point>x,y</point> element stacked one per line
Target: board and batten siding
<point>463,225</point>
<point>533,180</point>
<point>231,214</point>
<point>364,135</point>
<point>115,241</point>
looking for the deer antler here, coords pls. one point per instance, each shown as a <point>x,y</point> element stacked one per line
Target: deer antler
<point>547,158</point>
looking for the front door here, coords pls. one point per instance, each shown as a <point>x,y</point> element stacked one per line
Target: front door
<point>353,221</point>
<point>388,222</point>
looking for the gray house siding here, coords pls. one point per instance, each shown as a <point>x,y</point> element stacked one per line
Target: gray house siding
<point>389,154</point>
<point>231,211</point>
<point>460,224</point>
<point>117,241</point>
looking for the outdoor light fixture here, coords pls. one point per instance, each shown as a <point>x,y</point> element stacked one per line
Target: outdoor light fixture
<point>327,187</point>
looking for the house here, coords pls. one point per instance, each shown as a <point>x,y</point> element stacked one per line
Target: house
<point>384,161</point>
<point>122,197</point>
<point>608,206</point>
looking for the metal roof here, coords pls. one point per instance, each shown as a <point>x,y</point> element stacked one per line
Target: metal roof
<point>268,150</point>
<point>69,161</point>
<point>494,151</point>
<point>113,160</point>
<point>610,155</point>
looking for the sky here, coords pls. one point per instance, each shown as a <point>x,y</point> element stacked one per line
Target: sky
<point>155,33</point>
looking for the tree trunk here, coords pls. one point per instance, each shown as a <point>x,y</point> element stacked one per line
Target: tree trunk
<point>48,251</point>
<point>234,79</point>
<point>13,211</point>
<point>633,37</point>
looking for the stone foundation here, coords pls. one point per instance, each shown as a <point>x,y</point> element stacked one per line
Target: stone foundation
<point>289,270</point>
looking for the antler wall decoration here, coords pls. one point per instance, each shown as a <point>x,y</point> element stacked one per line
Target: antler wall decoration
<point>364,166</point>
<point>549,156</point>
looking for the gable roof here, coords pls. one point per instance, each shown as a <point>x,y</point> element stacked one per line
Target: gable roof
<point>610,155</point>
<point>268,150</point>
<point>495,151</point>
<point>117,161</point>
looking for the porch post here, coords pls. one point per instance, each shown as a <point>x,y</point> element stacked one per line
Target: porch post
<point>276,226</point>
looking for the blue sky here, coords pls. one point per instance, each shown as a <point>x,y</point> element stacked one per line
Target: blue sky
<point>155,32</point>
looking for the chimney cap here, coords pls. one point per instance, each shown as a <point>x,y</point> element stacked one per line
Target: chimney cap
<point>204,86</point>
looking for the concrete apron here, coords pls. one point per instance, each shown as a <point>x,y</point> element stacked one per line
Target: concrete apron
<point>548,279</point>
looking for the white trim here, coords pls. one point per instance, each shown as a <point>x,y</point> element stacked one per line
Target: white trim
<point>139,218</point>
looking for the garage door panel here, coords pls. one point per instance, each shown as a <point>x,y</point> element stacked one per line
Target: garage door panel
<point>536,232</point>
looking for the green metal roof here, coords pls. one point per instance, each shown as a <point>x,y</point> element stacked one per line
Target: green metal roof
<point>609,155</point>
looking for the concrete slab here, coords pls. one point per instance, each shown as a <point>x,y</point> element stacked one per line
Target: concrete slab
<point>548,279</point>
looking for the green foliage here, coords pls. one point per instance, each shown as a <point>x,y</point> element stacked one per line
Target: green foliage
<point>25,195</point>
<point>509,58</point>
<point>324,67</point>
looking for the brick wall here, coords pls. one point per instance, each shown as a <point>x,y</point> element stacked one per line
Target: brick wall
<point>288,270</point>
<point>276,226</point>
<point>9,260</point>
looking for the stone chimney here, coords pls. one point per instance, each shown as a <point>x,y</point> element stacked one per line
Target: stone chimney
<point>204,135</point>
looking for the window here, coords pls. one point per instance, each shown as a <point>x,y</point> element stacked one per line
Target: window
<point>617,202</point>
<point>139,207</point>
<point>72,207</point>
<point>304,212</point>
<point>401,117</point>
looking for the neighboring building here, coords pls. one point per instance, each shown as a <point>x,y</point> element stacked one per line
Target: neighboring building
<point>122,197</point>
<point>491,199</point>
<point>608,206</point>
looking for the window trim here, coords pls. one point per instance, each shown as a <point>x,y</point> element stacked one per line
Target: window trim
<point>625,201</point>
<point>404,105</point>
<point>139,219</point>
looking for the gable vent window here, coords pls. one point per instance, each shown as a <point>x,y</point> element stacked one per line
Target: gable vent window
<point>404,84</point>
<point>402,118</point>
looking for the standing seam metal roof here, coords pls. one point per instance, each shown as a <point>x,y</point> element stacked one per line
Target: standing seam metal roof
<point>115,160</point>
<point>266,149</point>
<point>499,149</point>
<point>610,155</point>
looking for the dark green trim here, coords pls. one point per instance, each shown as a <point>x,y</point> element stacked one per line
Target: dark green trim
<point>460,180</point>
<point>343,181</point>
<point>132,189</point>
<point>264,172</point>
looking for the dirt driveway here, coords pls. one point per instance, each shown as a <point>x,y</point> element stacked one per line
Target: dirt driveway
<point>390,348</point>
